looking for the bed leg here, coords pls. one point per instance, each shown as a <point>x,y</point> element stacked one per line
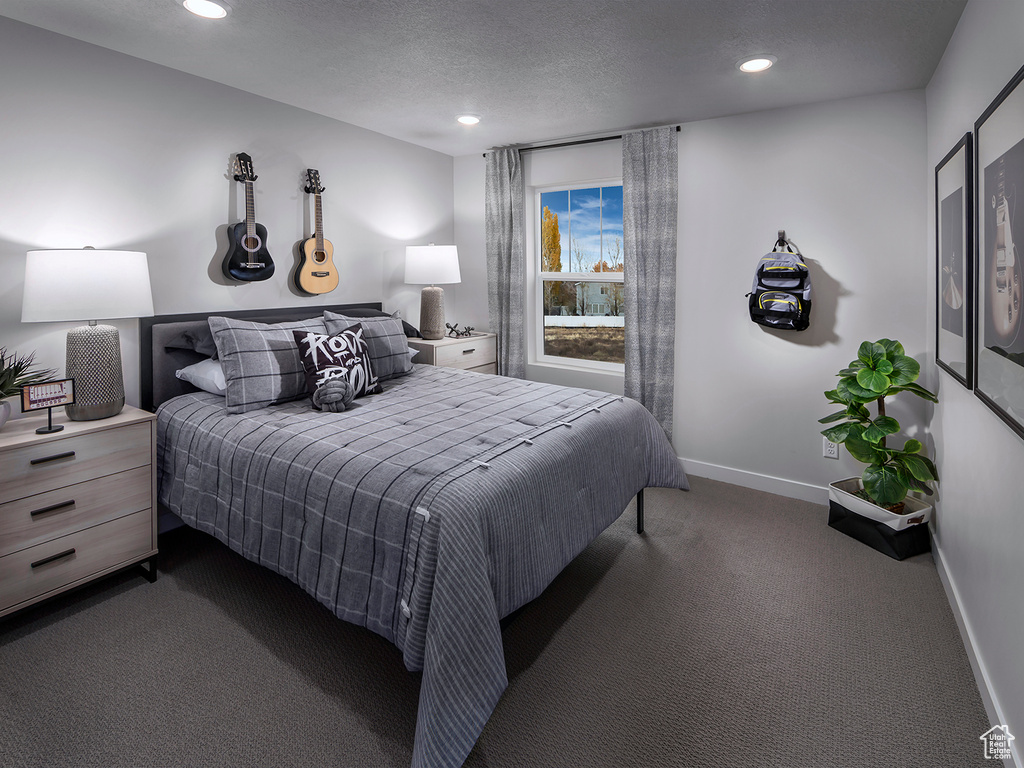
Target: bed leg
<point>640,511</point>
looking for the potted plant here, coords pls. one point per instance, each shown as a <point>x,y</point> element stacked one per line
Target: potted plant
<point>16,371</point>
<point>880,495</point>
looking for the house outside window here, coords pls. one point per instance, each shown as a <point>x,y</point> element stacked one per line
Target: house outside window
<point>581,299</point>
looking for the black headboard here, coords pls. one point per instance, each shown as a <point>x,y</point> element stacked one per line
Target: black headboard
<point>158,361</point>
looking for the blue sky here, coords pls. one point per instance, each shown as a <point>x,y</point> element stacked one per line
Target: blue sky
<point>582,215</point>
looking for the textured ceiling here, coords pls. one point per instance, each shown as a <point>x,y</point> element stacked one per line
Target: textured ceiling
<point>534,71</point>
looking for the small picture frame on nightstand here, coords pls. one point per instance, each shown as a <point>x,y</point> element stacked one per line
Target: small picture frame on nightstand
<point>48,395</point>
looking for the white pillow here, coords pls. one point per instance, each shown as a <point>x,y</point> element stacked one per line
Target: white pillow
<point>208,375</point>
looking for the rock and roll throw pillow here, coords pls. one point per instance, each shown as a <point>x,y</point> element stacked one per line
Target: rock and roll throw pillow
<point>344,354</point>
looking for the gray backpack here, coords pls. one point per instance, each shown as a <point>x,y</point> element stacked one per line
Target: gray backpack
<point>781,295</point>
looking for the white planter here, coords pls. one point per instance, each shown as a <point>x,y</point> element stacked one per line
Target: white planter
<point>842,493</point>
<point>5,412</point>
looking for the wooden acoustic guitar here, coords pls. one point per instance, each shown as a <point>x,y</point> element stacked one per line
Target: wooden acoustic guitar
<point>316,273</point>
<point>247,258</point>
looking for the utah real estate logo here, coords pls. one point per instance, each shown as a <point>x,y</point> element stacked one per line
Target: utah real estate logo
<point>997,743</point>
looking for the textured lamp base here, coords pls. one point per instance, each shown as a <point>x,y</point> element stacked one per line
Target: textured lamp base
<point>432,312</point>
<point>94,362</point>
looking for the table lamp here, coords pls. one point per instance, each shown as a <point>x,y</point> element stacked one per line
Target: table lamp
<point>89,284</point>
<point>432,264</point>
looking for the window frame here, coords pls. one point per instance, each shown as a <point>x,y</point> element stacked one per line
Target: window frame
<point>537,278</point>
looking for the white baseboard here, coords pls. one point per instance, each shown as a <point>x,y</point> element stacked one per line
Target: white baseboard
<point>789,488</point>
<point>992,708</point>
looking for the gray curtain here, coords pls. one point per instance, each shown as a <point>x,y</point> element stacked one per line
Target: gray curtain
<point>503,221</point>
<point>650,193</point>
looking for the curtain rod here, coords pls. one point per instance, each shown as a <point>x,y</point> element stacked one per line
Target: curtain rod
<point>575,143</point>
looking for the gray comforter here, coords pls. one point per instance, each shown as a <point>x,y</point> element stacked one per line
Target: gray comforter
<point>426,513</point>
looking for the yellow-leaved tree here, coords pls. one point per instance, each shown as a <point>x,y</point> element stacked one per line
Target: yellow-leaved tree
<point>550,256</point>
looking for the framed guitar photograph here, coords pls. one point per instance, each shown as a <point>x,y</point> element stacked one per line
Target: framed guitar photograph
<point>999,169</point>
<point>954,263</point>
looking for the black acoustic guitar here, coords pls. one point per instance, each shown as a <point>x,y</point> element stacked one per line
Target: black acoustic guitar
<point>247,258</point>
<point>316,273</point>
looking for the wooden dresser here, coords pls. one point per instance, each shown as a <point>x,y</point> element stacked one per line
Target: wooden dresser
<point>472,353</point>
<point>75,505</point>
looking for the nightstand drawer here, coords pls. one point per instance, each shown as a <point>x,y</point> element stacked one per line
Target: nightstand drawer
<point>32,520</point>
<point>37,467</point>
<point>33,572</point>
<point>470,353</point>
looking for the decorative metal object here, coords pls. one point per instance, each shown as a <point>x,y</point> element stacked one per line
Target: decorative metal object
<point>455,333</point>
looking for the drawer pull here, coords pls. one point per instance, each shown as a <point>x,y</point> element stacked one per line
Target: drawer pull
<point>53,507</point>
<point>44,459</point>
<point>52,558</point>
<point>469,351</point>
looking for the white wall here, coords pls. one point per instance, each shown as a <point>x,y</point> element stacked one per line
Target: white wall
<point>98,148</point>
<point>845,179</point>
<point>979,526</point>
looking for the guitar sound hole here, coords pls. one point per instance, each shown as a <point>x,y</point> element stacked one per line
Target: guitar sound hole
<point>319,257</point>
<point>251,244</point>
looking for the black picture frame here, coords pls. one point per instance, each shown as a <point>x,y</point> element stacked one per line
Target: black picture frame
<point>999,233</point>
<point>954,262</point>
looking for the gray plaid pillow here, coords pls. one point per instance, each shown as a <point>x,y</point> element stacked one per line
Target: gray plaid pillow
<point>385,339</point>
<point>261,363</point>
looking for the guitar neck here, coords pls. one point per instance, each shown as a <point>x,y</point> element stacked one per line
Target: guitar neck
<point>250,210</point>
<point>319,223</point>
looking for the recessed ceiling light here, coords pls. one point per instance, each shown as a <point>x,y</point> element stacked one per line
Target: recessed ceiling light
<point>757,63</point>
<point>468,119</point>
<point>207,8</point>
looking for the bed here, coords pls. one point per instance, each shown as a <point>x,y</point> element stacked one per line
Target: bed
<point>428,512</point>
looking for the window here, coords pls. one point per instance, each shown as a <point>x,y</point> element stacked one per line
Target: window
<point>579,281</point>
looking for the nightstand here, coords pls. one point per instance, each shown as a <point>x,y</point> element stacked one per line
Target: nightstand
<point>75,505</point>
<point>472,353</point>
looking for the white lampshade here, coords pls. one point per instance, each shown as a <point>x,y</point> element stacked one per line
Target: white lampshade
<point>432,264</point>
<point>85,284</point>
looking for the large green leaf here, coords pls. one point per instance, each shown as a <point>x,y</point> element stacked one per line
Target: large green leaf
<point>916,466</point>
<point>833,397</point>
<point>873,381</point>
<point>912,446</point>
<point>892,348</point>
<point>880,427</point>
<point>862,450</point>
<point>833,417</point>
<point>838,433</point>
<point>884,366</point>
<point>855,392</point>
<point>870,354</point>
<point>904,370</point>
<point>918,390</point>
<point>885,484</point>
<point>931,467</point>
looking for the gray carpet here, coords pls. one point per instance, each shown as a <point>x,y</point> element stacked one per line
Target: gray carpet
<point>739,631</point>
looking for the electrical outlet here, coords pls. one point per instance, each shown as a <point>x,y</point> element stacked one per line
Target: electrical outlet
<point>829,449</point>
